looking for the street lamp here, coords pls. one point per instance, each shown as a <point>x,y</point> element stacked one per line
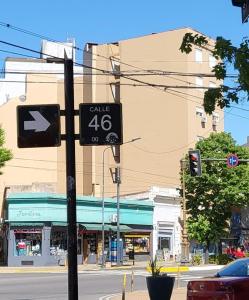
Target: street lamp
<point>103,197</point>
<point>185,243</point>
<point>103,205</point>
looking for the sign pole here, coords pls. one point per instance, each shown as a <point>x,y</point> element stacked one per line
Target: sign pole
<point>118,181</point>
<point>71,181</point>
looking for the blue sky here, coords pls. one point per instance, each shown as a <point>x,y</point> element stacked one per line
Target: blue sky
<point>109,20</point>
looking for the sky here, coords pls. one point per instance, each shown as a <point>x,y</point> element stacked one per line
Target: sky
<point>109,21</point>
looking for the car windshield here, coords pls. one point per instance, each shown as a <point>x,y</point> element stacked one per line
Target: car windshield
<point>238,268</point>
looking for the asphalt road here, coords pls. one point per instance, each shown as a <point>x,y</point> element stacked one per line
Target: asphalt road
<point>93,285</point>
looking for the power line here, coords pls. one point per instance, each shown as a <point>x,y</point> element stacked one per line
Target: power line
<point>108,72</point>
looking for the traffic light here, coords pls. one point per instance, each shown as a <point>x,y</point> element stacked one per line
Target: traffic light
<point>194,162</point>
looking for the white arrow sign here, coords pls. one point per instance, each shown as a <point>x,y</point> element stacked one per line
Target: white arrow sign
<point>39,123</point>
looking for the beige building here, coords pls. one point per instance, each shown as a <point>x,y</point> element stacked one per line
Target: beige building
<point>161,91</point>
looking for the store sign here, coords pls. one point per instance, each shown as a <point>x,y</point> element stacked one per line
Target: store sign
<point>100,124</point>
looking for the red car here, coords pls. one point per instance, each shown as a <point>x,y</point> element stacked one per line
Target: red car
<point>230,283</point>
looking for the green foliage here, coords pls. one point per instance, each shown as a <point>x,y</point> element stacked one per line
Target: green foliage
<point>212,259</point>
<point>227,55</point>
<point>223,259</point>
<point>5,154</point>
<point>155,267</point>
<point>212,196</point>
<point>196,260</point>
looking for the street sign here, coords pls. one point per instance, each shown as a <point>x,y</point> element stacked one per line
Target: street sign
<point>232,160</point>
<point>38,126</point>
<point>100,124</point>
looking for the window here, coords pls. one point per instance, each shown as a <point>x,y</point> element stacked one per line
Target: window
<point>115,87</point>
<point>199,82</point>
<point>212,84</point>
<point>28,242</point>
<point>199,111</point>
<point>58,241</point>
<point>140,244</point>
<point>165,236</point>
<point>212,61</point>
<point>215,118</point>
<point>198,55</point>
<point>115,67</point>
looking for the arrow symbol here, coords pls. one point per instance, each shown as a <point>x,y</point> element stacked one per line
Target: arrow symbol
<point>39,124</point>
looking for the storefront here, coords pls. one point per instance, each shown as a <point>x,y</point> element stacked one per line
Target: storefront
<point>36,228</point>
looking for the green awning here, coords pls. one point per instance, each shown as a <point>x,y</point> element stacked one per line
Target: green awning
<point>64,224</point>
<point>35,224</point>
<point>107,227</point>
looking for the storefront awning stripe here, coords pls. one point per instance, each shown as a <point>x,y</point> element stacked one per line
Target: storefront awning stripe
<point>107,227</point>
<point>59,224</point>
<point>35,224</point>
<point>137,235</point>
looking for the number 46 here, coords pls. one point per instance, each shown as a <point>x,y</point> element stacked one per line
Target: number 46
<point>105,122</point>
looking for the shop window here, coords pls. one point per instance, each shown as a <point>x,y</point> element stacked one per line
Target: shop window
<point>28,242</point>
<point>140,244</point>
<point>92,243</point>
<point>58,242</point>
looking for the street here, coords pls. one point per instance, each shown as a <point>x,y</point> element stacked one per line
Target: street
<point>93,285</point>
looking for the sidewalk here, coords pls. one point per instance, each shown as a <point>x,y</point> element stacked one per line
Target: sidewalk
<point>168,268</point>
<point>178,294</point>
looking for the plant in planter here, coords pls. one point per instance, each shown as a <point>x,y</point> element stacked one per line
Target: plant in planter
<point>159,284</point>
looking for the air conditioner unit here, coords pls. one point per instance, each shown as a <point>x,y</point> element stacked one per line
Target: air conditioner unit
<point>203,119</point>
<point>114,218</point>
<point>215,122</point>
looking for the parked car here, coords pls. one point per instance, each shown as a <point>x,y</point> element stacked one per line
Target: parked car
<point>230,283</point>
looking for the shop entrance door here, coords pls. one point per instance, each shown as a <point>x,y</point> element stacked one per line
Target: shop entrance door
<point>164,242</point>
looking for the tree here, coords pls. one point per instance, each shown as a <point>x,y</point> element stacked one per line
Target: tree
<point>227,56</point>
<point>212,196</point>
<point>5,154</point>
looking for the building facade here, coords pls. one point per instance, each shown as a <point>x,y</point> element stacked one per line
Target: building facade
<point>36,228</point>
<point>167,226</point>
<point>161,91</point>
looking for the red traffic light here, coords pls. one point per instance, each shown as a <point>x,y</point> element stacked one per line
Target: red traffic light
<point>194,162</point>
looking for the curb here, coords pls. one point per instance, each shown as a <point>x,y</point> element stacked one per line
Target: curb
<point>203,268</point>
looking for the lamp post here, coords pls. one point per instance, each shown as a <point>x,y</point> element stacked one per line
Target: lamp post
<point>185,243</point>
<point>103,197</point>
<point>103,206</point>
<point>118,181</point>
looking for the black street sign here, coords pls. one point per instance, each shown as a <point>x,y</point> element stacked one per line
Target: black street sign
<point>101,124</point>
<point>38,126</point>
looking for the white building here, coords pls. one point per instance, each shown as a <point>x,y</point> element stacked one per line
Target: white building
<point>14,83</point>
<point>166,236</point>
